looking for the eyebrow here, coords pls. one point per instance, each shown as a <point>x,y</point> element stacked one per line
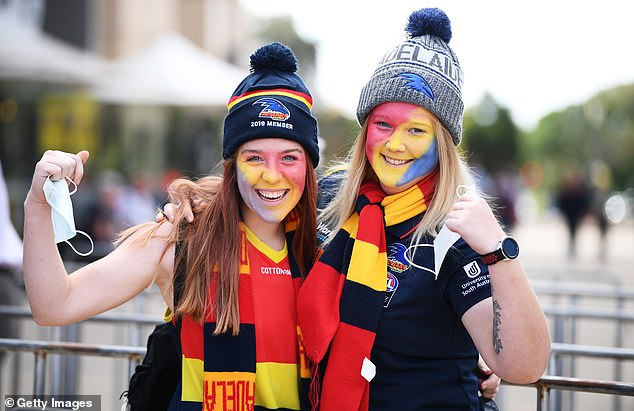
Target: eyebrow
<point>290,150</point>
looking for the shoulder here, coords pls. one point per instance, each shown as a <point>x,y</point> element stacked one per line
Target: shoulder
<point>328,185</point>
<point>461,251</point>
<point>150,243</point>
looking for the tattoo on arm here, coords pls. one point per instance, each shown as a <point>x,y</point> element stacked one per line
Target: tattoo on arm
<point>497,320</point>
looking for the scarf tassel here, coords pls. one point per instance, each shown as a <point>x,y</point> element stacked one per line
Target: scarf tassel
<point>314,391</point>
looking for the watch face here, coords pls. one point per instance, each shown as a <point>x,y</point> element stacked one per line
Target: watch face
<point>510,248</point>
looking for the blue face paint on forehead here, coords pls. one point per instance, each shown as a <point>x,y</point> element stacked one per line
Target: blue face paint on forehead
<point>421,166</point>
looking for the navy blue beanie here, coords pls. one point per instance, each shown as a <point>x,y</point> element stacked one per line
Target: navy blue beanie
<point>271,102</point>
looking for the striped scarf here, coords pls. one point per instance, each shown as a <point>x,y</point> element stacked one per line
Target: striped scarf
<point>219,370</point>
<point>342,298</point>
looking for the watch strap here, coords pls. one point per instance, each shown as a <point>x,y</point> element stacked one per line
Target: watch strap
<point>492,257</point>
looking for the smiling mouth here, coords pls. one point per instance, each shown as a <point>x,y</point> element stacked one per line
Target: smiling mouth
<point>394,162</point>
<point>271,195</point>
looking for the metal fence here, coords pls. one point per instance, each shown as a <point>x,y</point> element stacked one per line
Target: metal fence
<point>565,313</point>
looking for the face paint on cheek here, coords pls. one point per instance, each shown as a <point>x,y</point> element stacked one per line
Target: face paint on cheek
<point>373,147</point>
<point>291,183</point>
<point>247,190</point>
<point>248,174</point>
<point>421,166</point>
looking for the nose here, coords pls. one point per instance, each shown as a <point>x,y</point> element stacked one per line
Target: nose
<point>271,174</point>
<point>395,143</point>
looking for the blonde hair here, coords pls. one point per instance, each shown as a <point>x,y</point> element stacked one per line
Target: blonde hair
<point>453,171</point>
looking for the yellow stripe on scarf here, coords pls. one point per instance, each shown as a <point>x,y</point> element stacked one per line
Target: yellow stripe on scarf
<point>403,206</point>
<point>365,259</point>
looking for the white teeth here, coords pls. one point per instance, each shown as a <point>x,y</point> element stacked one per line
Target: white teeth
<point>271,195</point>
<point>394,161</point>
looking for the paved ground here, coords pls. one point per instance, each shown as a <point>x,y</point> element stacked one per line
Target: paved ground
<point>543,251</point>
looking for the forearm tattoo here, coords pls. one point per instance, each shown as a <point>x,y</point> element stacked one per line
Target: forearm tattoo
<point>497,320</point>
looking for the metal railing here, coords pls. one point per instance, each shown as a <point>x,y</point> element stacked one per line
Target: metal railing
<point>565,318</point>
<point>41,349</point>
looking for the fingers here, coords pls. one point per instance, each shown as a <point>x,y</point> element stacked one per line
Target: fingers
<point>59,165</point>
<point>490,386</point>
<point>169,211</point>
<point>188,213</point>
<point>473,219</point>
<point>489,383</point>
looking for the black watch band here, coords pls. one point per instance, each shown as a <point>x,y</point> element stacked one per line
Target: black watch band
<point>508,249</point>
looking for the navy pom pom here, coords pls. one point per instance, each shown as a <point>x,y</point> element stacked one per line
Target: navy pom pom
<point>275,56</point>
<point>430,21</point>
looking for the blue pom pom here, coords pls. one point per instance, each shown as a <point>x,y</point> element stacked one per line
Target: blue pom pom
<point>275,56</point>
<point>429,21</point>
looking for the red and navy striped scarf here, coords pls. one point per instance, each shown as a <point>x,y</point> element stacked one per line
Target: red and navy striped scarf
<point>341,300</point>
<point>218,371</point>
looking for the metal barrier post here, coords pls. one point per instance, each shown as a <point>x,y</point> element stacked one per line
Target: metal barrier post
<point>40,372</point>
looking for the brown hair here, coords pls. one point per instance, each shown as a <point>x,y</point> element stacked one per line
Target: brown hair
<point>212,243</point>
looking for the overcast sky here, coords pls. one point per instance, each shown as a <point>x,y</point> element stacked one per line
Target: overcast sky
<point>532,56</point>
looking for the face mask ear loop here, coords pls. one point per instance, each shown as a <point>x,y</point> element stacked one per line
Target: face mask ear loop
<point>70,193</point>
<point>92,245</point>
<point>410,262</point>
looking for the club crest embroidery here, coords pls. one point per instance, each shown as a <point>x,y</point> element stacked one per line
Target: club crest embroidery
<point>396,263</point>
<point>273,109</point>
<point>416,82</point>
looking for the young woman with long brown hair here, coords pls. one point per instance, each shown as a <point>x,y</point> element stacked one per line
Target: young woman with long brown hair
<point>244,257</point>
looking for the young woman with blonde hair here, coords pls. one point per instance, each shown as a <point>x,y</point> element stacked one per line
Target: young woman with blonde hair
<point>388,327</point>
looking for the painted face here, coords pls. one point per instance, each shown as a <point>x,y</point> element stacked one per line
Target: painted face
<point>401,145</point>
<point>271,177</point>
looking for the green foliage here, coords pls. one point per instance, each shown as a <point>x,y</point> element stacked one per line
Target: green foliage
<point>338,133</point>
<point>599,131</point>
<point>490,137</point>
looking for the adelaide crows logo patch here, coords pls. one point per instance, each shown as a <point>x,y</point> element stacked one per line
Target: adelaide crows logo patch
<point>273,109</point>
<point>416,82</point>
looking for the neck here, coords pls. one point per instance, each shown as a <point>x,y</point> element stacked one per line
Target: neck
<point>271,234</point>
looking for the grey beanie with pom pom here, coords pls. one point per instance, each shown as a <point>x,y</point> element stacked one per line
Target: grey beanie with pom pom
<point>423,70</point>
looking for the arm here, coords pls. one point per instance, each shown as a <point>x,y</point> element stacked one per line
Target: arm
<point>509,329</point>
<point>57,298</point>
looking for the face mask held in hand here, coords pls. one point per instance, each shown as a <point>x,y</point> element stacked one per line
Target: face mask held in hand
<point>58,196</point>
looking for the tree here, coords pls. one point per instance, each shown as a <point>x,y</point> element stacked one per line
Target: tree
<point>490,137</point>
<point>599,130</point>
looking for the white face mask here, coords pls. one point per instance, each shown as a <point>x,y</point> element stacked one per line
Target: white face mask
<point>58,196</point>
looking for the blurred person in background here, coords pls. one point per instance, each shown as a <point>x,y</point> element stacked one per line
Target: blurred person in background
<point>573,199</point>
<point>98,215</point>
<point>11,292</point>
<point>137,202</point>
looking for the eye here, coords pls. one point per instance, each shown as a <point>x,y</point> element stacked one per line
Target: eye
<point>383,124</point>
<point>421,131</point>
<point>289,158</point>
<point>253,158</point>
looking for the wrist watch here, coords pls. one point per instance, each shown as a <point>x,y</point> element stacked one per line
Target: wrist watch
<point>508,249</point>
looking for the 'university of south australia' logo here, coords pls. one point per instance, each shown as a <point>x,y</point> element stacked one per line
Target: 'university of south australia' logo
<point>472,269</point>
<point>273,109</point>
<point>416,82</point>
